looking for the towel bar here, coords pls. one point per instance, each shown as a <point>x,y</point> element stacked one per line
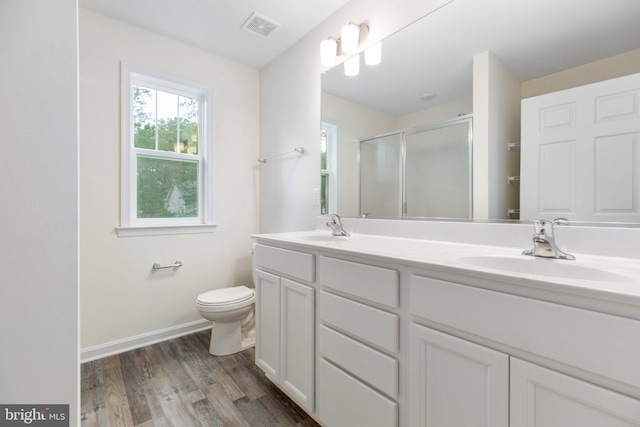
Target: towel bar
<point>157,265</point>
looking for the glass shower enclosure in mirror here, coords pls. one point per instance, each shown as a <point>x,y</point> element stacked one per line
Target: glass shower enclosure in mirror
<point>423,171</point>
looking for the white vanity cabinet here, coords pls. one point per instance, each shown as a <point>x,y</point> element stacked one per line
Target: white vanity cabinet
<point>369,340</point>
<point>451,377</point>
<point>285,321</point>
<point>358,341</point>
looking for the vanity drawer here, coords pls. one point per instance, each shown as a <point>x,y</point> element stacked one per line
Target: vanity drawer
<point>371,324</point>
<point>298,265</point>
<point>372,366</point>
<point>600,343</point>
<point>376,284</point>
<point>343,401</point>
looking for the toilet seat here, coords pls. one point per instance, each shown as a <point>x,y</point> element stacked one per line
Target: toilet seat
<point>226,299</point>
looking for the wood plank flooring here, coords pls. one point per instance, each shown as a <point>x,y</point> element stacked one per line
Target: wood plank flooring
<point>178,383</point>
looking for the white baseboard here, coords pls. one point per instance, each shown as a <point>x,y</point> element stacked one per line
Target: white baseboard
<point>120,346</point>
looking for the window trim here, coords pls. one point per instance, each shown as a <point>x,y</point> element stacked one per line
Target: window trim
<point>130,225</point>
<point>332,166</point>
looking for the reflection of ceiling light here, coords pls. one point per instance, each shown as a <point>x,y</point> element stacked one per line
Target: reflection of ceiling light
<point>352,66</point>
<point>373,55</point>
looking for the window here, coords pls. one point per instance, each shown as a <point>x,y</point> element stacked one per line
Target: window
<point>328,182</point>
<point>166,167</point>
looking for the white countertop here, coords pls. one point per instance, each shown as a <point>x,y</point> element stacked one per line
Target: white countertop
<point>611,279</point>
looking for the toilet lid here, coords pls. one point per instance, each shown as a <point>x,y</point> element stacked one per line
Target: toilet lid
<point>225,296</point>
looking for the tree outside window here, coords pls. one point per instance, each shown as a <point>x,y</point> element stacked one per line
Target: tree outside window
<point>165,122</point>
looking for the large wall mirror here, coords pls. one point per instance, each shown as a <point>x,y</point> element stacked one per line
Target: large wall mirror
<point>426,81</point>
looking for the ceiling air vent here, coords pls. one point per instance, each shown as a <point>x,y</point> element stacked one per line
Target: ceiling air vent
<point>259,25</point>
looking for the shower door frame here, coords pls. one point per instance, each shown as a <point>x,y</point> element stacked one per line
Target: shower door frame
<point>460,119</point>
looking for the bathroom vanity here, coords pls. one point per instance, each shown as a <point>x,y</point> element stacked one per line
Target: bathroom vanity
<point>387,331</point>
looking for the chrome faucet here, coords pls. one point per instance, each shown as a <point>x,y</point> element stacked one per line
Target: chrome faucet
<point>336,226</point>
<point>544,242</point>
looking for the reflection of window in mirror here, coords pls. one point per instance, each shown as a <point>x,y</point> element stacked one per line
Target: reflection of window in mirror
<point>328,190</point>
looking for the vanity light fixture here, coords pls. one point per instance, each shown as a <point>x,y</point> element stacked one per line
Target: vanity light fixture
<point>352,36</point>
<point>328,52</point>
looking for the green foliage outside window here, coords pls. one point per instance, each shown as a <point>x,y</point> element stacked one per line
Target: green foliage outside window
<point>147,122</point>
<point>167,188</point>
<point>324,177</point>
<point>165,122</point>
<point>324,191</point>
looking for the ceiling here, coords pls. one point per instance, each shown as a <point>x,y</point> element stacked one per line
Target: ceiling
<point>531,38</point>
<point>215,25</point>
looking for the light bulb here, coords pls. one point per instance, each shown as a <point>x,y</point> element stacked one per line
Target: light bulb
<point>373,55</point>
<point>328,52</point>
<point>352,66</point>
<point>350,36</point>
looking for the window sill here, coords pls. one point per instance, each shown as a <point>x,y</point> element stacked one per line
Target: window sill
<point>165,230</point>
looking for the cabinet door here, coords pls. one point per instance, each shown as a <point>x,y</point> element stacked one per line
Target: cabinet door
<point>544,398</point>
<point>454,382</point>
<point>297,347</point>
<point>268,323</point>
<point>344,401</point>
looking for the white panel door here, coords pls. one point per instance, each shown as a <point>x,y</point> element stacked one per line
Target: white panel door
<point>544,398</point>
<point>580,153</point>
<point>297,341</point>
<point>454,382</point>
<point>268,323</point>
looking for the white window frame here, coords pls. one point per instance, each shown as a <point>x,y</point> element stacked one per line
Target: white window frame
<point>332,166</point>
<point>130,224</point>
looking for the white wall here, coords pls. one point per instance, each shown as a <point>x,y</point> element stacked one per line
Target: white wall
<point>290,109</point>
<point>611,67</point>
<point>39,209</point>
<point>436,114</point>
<point>496,123</point>
<point>121,297</point>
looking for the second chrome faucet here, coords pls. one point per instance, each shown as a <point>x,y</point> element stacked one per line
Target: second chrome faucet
<point>544,241</point>
<point>335,223</point>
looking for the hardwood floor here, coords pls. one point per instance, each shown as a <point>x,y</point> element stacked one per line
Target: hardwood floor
<point>178,383</point>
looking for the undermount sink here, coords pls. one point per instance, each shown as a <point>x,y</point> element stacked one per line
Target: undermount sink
<point>551,268</point>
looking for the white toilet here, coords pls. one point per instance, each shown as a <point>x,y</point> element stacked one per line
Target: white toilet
<point>232,312</point>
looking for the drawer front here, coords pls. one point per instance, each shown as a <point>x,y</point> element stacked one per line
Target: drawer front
<point>599,343</point>
<point>376,284</point>
<point>298,265</point>
<point>343,401</point>
<point>372,366</point>
<point>375,326</point>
